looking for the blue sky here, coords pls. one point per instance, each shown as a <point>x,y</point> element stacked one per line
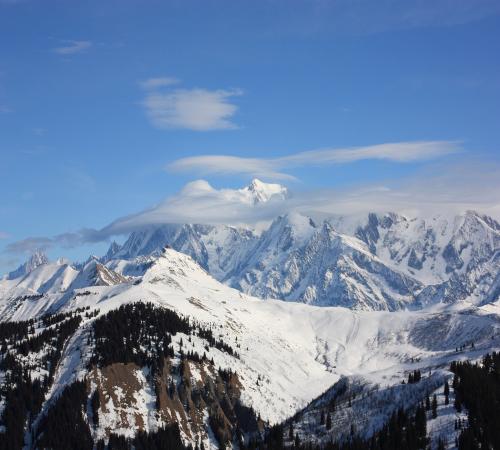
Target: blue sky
<point>101,102</point>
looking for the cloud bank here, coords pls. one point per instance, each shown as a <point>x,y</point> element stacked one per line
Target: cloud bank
<point>440,189</point>
<point>401,152</point>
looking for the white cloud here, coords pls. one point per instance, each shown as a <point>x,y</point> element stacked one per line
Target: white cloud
<point>72,47</point>
<point>155,83</point>
<point>193,109</point>
<point>4,235</point>
<point>402,152</point>
<point>225,165</point>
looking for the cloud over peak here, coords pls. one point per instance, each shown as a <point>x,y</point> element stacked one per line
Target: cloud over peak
<point>440,189</point>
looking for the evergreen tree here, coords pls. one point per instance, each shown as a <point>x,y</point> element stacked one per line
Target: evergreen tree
<point>446,393</point>
<point>94,404</point>
<point>421,426</point>
<point>477,387</point>
<point>434,406</point>
<point>64,426</point>
<point>328,421</point>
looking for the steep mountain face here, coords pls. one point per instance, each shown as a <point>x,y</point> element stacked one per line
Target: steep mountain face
<point>434,249</point>
<point>382,262</point>
<point>37,259</point>
<point>217,249</point>
<point>144,242</point>
<point>455,258</point>
<point>175,347</point>
<point>300,261</point>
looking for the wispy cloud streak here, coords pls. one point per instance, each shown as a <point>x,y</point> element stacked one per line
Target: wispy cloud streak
<point>155,83</point>
<point>72,47</point>
<point>273,168</point>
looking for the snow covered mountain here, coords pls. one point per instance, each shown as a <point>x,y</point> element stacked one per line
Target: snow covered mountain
<point>260,192</point>
<point>252,349</point>
<point>37,259</point>
<point>377,261</point>
<point>178,332</point>
<point>297,260</point>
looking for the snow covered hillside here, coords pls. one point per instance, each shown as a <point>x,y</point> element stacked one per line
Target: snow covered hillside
<point>285,353</point>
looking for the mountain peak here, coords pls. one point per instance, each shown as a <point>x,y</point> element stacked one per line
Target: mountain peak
<point>37,259</point>
<point>113,249</point>
<point>262,192</point>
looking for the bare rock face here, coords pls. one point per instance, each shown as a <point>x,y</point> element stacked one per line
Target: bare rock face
<point>97,274</point>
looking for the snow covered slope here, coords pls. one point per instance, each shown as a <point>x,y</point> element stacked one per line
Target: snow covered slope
<point>296,367</point>
<point>49,280</point>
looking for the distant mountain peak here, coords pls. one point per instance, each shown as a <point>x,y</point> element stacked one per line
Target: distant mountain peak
<point>262,192</point>
<point>113,249</point>
<point>38,258</point>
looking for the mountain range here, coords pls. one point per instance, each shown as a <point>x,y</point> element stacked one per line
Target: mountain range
<point>216,336</point>
<point>372,262</point>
